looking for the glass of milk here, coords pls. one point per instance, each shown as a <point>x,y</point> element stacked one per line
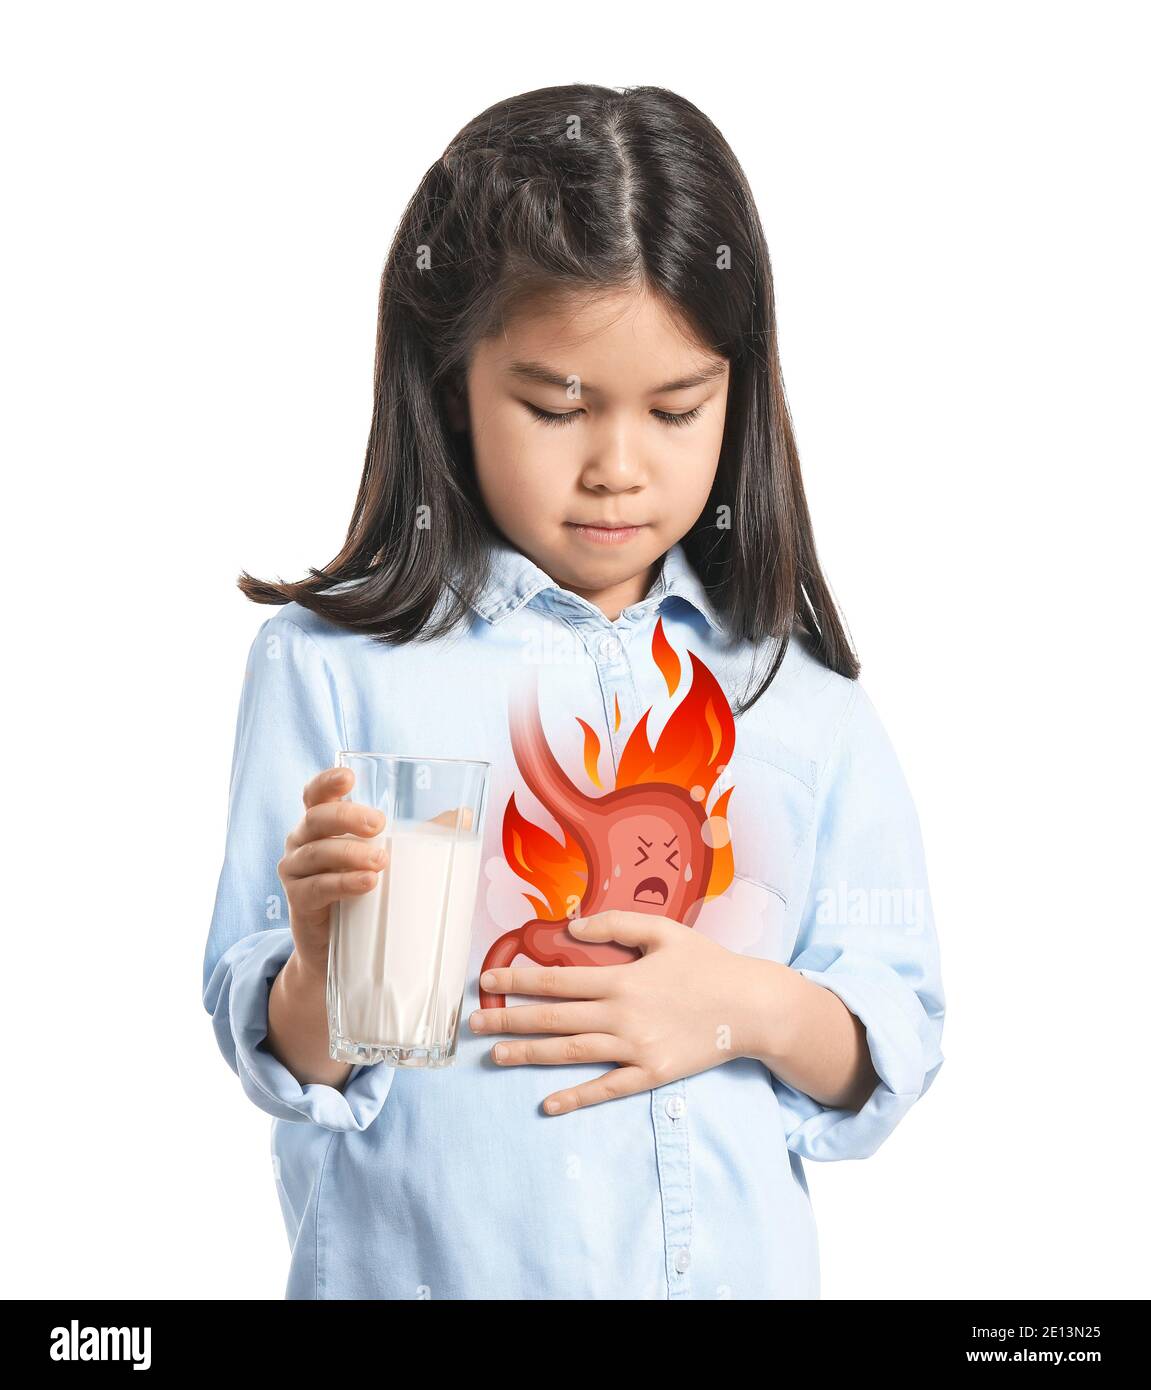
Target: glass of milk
<point>398,955</point>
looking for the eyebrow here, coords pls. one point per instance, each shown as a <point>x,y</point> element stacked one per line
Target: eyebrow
<point>541,373</point>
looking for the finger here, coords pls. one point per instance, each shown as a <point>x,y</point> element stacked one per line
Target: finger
<point>341,854</point>
<point>336,818</point>
<point>540,1018</point>
<point>565,981</point>
<point>644,929</point>
<point>328,785</point>
<point>623,1081</point>
<point>322,890</point>
<point>458,818</point>
<point>550,1052</point>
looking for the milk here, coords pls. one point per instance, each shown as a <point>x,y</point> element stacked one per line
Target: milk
<point>398,958</point>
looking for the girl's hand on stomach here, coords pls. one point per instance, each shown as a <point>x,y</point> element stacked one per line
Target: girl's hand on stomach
<point>324,861</point>
<point>685,1005</point>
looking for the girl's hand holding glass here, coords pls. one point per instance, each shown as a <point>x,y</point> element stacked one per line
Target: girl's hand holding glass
<point>323,862</point>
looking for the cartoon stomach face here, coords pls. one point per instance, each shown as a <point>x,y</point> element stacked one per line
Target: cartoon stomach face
<point>646,853</point>
<point>648,846</point>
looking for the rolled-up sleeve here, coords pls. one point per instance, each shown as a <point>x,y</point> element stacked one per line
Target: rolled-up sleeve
<point>289,727</point>
<point>868,935</point>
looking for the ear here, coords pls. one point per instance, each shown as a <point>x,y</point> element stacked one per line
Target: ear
<point>456,404</point>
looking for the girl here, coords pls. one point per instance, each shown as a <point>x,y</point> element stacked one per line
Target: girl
<point>580,471</point>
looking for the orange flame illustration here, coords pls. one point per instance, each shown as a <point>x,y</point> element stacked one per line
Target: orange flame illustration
<point>649,845</point>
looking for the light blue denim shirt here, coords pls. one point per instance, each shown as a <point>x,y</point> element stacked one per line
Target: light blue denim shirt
<point>453,1183</point>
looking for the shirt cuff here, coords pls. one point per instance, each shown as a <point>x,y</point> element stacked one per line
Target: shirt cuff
<point>904,1045</point>
<point>237,999</point>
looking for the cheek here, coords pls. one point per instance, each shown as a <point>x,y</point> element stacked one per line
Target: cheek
<point>512,459</point>
<point>695,470</point>
<point>695,481</point>
<point>510,483</point>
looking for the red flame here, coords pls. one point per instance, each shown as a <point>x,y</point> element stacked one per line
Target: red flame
<point>691,752</point>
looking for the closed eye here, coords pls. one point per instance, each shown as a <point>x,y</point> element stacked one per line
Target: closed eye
<point>568,417</point>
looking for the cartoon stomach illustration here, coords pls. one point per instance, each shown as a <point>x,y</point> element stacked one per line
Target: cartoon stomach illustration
<point>649,845</point>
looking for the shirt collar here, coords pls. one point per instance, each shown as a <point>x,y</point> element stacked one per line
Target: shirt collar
<point>514,580</point>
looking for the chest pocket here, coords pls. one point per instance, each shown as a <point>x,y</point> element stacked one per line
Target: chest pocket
<point>770,815</point>
<point>770,812</point>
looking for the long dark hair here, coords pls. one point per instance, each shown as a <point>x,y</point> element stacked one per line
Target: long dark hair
<point>557,191</point>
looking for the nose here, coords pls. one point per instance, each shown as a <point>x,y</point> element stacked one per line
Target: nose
<point>614,461</point>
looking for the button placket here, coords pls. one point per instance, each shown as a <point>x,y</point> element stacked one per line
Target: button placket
<point>673,1163</point>
<point>609,653</point>
<point>668,1103</point>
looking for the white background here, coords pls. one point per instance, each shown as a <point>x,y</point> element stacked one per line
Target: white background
<point>200,198</point>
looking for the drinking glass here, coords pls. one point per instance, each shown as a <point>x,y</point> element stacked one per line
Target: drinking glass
<point>398,954</point>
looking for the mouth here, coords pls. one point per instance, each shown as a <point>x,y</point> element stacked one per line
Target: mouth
<point>605,534</point>
<point>652,891</point>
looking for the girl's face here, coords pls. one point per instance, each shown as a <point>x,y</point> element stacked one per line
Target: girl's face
<point>639,408</point>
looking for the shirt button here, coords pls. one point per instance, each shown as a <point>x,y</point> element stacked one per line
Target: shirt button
<point>676,1106</point>
<point>609,648</point>
<point>682,1260</point>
